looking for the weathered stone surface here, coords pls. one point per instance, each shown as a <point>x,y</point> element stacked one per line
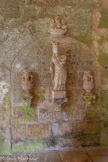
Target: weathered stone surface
<point>53,156</point>
<point>100,159</point>
<point>60,129</point>
<point>97,154</point>
<point>45,112</point>
<point>104,3</point>
<point>19,132</point>
<point>38,131</point>
<point>9,9</point>
<point>39,157</point>
<point>58,94</point>
<point>25,43</point>
<point>9,158</point>
<point>66,116</point>
<point>98,151</point>
<point>88,128</point>
<point>28,146</point>
<point>80,156</point>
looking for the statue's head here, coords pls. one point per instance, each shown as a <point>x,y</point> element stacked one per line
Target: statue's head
<point>88,76</point>
<point>55,46</point>
<point>27,76</point>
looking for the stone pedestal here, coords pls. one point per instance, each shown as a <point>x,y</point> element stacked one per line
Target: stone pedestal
<point>58,94</point>
<point>59,97</point>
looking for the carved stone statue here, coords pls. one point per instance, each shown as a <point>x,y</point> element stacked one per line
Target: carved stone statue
<point>58,72</point>
<point>58,69</point>
<point>88,82</point>
<point>27,83</point>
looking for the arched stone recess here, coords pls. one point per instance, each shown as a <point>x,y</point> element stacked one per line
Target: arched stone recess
<point>36,57</point>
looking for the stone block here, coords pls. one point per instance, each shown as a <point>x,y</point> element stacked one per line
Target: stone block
<point>57,116</point>
<point>38,131</point>
<point>92,128</point>
<point>19,131</point>
<point>66,116</point>
<point>24,113</point>
<point>74,156</point>
<point>53,156</point>
<point>60,129</point>
<point>58,94</point>
<point>37,157</point>
<point>100,151</point>
<point>100,158</point>
<point>28,146</point>
<point>91,140</point>
<point>45,112</point>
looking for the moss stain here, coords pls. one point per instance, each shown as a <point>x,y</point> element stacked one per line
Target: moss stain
<point>28,146</point>
<point>92,114</point>
<point>104,19</point>
<point>41,95</point>
<point>4,146</point>
<point>27,113</point>
<point>85,39</point>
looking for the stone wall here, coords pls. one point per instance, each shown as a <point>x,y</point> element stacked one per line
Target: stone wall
<point>25,43</point>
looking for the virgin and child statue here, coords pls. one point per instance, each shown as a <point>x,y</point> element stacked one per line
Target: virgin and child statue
<point>58,69</point>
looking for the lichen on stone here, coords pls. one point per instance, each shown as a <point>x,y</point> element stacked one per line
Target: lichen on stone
<point>28,146</point>
<point>89,100</point>
<point>24,113</point>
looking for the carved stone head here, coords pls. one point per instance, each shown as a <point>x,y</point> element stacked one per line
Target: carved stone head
<point>55,49</point>
<point>88,76</point>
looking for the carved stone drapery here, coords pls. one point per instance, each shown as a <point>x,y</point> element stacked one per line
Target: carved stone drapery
<point>58,73</point>
<point>58,69</point>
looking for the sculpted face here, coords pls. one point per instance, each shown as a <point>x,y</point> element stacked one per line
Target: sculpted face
<point>55,51</point>
<point>55,48</point>
<point>88,76</point>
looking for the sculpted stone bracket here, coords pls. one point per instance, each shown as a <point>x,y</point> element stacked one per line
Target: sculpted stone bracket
<point>59,97</point>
